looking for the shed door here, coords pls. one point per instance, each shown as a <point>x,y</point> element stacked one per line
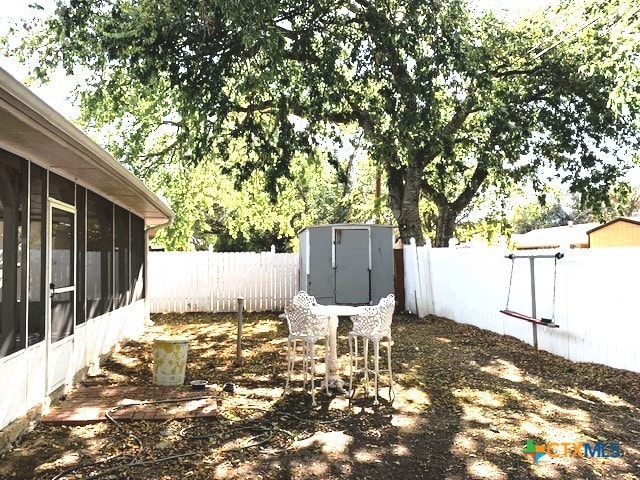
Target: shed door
<point>352,266</point>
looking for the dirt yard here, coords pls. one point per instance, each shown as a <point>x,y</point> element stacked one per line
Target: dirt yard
<point>466,403</point>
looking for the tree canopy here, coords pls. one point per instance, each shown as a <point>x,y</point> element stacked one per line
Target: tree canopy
<point>452,104</point>
<point>210,211</point>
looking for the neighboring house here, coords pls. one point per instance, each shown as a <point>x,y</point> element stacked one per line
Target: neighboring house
<point>571,236</point>
<point>73,230</point>
<point>621,232</point>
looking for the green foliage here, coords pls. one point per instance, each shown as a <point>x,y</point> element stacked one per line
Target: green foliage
<point>622,201</point>
<point>452,106</point>
<point>211,211</point>
<point>615,31</point>
<point>535,215</point>
<point>489,230</point>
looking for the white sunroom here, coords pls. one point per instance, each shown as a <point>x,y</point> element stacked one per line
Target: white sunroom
<point>73,240</point>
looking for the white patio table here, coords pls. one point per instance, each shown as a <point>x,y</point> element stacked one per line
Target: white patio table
<point>333,312</point>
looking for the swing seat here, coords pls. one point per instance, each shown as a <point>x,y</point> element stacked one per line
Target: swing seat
<point>547,322</point>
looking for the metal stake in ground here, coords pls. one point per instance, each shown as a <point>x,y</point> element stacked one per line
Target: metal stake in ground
<point>239,335</point>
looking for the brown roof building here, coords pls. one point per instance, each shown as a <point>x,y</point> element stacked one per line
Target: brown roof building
<point>621,232</point>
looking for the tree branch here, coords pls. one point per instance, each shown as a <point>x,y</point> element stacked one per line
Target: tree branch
<point>395,186</point>
<point>265,106</point>
<point>475,182</point>
<point>363,3</point>
<point>460,115</point>
<point>515,72</point>
<point>435,195</point>
<point>163,152</point>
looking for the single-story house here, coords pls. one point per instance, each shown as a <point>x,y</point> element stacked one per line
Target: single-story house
<point>73,239</point>
<point>573,235</point>
<point>620,232</point>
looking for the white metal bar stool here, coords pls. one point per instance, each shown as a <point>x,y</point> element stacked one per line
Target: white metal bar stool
<point>373,324</point>
<point>308,329</point>
<point>303,299</point>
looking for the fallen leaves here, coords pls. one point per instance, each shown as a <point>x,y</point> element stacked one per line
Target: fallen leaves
<point>466,401</point>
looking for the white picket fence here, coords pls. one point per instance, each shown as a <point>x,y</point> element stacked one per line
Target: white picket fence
<point>596,297</point>
<point>212,282</point>
<point>596,292</point>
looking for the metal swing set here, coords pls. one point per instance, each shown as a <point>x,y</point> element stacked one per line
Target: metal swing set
<point>546,322</point>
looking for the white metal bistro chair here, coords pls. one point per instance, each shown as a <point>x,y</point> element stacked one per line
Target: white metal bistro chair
<point>308,329</point>
<point>373,324</point>
<point>303,299</point>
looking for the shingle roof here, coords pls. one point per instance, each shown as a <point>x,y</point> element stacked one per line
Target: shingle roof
<point>573,235</point>
<point>633,220</point>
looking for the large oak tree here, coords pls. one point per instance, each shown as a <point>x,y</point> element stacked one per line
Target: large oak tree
<point>450,102</point>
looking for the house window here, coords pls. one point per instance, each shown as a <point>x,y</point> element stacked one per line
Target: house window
<point>137,258</point>
<point>37,254</point>
<point>13,201</point>
<point>99,256</point>
<point>121,258</point>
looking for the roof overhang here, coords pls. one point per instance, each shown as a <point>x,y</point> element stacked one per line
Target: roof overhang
<point>631,220</point>
<point>344,225</point>
<point>33,130</point>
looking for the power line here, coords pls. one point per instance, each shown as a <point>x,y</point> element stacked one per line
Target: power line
<point>617,19</point>
<point>564,39</point>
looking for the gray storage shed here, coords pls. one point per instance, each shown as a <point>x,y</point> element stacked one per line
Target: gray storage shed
<point>347,263</point>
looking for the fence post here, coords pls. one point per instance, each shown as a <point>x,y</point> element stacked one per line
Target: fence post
<point>410,275</point>
<point>239,335</point>
<point>210,278</point>
<point>272,298</point>
<point>424,286</point>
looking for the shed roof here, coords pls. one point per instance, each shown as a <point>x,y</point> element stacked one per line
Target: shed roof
<point>345,225</point>
<point>35,131</point>
<point>574,235</point>
<point>632,220</point>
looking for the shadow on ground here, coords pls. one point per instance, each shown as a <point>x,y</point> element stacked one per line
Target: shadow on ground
<point>466,403</point>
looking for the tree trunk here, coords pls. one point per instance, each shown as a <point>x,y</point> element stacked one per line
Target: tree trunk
<point>448,211</point>
<point>404,195</point>
<point>445,224</point>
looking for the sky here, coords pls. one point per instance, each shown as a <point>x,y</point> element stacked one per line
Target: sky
<point>55,93</point>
